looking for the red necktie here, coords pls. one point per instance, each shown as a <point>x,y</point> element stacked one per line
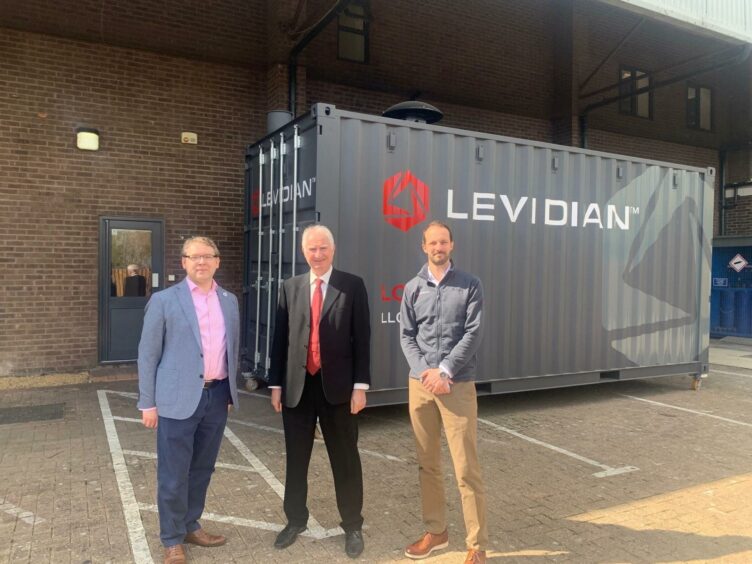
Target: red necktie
<point>313,362</point>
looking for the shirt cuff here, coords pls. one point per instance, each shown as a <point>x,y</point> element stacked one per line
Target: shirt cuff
<point>149,409</point>
<point>443,368</point>
<point>274,387</point>
<point>361,386</point>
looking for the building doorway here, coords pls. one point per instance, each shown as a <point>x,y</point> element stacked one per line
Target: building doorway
<point>131,266</point>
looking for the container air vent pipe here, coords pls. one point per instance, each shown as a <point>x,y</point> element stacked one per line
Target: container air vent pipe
<point>277,119</point>
<point>413,110</point>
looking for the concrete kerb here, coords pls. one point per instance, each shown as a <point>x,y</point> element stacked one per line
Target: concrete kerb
<point>93,376</point>
<point>43,381</point>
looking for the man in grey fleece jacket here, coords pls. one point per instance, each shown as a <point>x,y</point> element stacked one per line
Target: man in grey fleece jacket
<point>440,332</point>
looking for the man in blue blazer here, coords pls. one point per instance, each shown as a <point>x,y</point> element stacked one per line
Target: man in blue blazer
<point>187,369</point>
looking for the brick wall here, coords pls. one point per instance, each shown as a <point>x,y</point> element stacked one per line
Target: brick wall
<point>231,31</point>
<point>739,218</point>
<point>464,117</point>
<point>52,195</point>
<point>655,46</point>
<point>485,54</point>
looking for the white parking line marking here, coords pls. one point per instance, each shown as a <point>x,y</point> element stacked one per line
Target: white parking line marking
<point>257,426</point>
<point>128,419</point>
<point>726,419</point>
<point>281,432</point>
<point>380,455</point>
<point>254,394</point>
<point>132,395</point>
<point>153,456</point>
<point>731,373</point>
<point>136,534</point>
<point>26,516</point>
<point>607,470</point>
<point>267,475</point>
<point>132,508</point>
<point>263,525</point>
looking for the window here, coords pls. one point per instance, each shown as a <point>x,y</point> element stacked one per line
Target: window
<point>352,32</point>
<point>640,105</point>
<point>699,107</point>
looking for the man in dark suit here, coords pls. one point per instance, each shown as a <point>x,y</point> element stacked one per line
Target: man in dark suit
<point>135,283</point>
<point>320,363</point>
<point>187,368</point>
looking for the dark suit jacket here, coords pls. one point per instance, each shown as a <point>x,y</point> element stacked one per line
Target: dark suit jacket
<point>344,334</point>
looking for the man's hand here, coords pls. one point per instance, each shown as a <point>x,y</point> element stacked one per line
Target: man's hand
<point>434,383</point>
<point>149,418</point>
<point>277,399</point>
<point>357,401</point>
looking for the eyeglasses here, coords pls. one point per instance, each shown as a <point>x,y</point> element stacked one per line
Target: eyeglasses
<point>200,258</point>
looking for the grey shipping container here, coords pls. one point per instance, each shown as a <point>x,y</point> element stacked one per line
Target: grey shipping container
<point>596,267</point>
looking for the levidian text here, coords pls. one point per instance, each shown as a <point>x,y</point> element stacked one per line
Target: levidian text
<point>486,206</point>
<point>302,190</point>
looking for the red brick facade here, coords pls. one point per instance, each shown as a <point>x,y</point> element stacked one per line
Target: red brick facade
<point>143,72</point>
<point>53,194</point>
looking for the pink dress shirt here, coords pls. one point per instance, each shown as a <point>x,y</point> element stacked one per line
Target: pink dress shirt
<point>211,325</point>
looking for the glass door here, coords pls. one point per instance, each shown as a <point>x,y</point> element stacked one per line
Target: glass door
<point>131,269</point>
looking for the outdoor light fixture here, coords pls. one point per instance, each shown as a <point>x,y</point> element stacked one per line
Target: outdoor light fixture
<point>87,139</point>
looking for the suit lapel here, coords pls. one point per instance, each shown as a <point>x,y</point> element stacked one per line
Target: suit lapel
<point>225,306</point>
<point>332,293</point>
<point>186,302</point>
<point>305,289</point>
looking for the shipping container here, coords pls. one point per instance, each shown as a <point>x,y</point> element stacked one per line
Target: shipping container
<point>731,294</point>
<point>595,266</point>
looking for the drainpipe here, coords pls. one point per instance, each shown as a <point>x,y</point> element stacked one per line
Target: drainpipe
<point>723,154</point>
<point>583,130</point>
<point>292,65</point>
<point>740,57</point>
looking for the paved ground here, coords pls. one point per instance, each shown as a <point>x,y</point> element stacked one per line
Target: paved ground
<point>643,471</point>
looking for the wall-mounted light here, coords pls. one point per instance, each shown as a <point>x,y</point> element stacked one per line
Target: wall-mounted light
<point>87,139</point>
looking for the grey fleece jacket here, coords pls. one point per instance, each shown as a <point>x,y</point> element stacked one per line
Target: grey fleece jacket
<point>442,323</point>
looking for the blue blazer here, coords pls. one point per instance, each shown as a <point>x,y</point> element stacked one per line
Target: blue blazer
<point>170,357</point>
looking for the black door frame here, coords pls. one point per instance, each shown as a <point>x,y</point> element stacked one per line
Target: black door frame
<point>104,278</point>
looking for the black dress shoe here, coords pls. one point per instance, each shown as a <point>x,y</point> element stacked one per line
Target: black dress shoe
<point>288,535</point>
<point>354,543</point>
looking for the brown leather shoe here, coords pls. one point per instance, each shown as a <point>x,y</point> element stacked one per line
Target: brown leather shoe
<point>202,538</point>
<point>475,557</point>
<point>174,554</point>
<point>423,547</point>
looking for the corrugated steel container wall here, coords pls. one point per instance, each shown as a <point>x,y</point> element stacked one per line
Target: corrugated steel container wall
<point>591,263</point>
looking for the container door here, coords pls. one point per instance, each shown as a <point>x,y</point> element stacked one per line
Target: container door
<point>279,204</point>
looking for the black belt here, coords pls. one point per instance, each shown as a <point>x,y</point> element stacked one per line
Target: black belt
<point>209,384</point>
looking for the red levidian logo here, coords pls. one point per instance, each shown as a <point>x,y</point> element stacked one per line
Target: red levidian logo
<point>397,216</point>
<point>255,203</point>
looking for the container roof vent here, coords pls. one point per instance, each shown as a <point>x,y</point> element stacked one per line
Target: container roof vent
<point>414,110</point>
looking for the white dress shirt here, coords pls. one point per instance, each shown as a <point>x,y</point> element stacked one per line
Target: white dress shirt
<point>324,286</point>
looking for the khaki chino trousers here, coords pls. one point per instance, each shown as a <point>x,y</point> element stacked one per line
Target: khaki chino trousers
<point>458,412</point>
